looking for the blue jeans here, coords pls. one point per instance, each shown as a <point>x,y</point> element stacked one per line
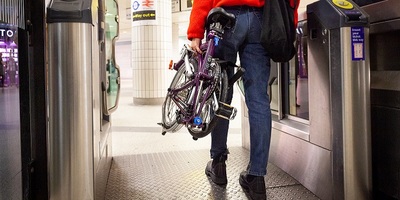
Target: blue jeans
<point>244,39</point>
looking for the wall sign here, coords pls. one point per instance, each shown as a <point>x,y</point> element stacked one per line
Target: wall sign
<point>175,6</point>
<point>143,12</point>
<point>6,33</point>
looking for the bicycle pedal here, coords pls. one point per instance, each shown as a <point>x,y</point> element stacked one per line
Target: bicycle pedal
<point>226,111</point>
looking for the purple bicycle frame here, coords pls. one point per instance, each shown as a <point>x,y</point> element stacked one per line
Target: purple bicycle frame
<point>202,74</point>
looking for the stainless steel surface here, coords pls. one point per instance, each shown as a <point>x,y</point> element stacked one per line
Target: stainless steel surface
<point>319,88</point>
<point>103,167</point>
<point>70,135</point>
<point>102,148</point>
<point>180,175</point>
<point>96,90</point>
<point>384,54</point>
<point>292,127</point>
<point>384,16</point>
<point>385,104</point>
<point>330,155</point>
<point>356,120</point>
<point>385,80</point>
<point>306,162</point>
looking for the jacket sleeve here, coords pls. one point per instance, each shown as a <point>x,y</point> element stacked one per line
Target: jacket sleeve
<point>295,4</point>
<point>198,17</point>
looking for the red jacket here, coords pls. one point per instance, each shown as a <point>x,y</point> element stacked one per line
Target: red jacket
<point>201,8</point>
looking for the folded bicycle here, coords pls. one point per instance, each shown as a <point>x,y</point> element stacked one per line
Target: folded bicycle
<point>197,95</point>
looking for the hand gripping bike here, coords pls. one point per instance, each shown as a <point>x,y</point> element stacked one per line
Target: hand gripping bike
<point>197,94</point>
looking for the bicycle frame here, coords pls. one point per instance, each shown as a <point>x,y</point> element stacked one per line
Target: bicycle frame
<point>204,62</point>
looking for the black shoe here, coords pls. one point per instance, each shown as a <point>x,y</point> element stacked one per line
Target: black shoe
<point>253,185</point>
<point>216,170</point>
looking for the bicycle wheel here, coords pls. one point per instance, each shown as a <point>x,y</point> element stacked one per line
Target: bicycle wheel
<point>170,110</point>
<point>209,120</point>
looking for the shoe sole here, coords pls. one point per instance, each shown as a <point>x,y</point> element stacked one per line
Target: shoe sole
<point>216,180</point>
<point>253,195</point>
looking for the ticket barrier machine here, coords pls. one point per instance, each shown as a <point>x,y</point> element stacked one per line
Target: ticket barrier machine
<point>83,90</point>
<point>339,76</point>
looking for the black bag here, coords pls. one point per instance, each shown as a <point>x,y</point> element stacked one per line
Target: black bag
<point>278,32</point>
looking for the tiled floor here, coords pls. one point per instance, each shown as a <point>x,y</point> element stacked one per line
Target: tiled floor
<point>148,165</point>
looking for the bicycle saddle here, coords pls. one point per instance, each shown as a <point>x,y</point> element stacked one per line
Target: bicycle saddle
<point>218,14</point>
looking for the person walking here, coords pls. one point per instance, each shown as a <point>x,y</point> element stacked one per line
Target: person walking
<point>243,40</point>
<point>11,65</point>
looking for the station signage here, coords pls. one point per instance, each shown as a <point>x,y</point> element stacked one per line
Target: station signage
<point>6,33</point>
<point>143,12</point>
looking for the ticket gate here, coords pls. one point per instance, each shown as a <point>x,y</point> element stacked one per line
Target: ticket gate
<point>330,151</point>
<point>83,90</point>
<point>338,57</point>
<point>385,94</point>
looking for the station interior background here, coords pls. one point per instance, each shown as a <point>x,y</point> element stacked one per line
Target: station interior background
<point>125,115</point>
<point>180,21</point>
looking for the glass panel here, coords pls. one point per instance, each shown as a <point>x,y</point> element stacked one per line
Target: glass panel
<point>112,90</point>
<point>10,123</point>
<point>8,55</point>
<point>298,78</point>
<point>111,30</point>
<point>273,89</point>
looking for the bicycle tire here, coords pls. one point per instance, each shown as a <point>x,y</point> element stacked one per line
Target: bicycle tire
<point>170,110</point>
<point>221,91</point>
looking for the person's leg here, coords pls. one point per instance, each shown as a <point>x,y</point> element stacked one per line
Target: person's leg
<point>226,50</point>
<point>12,78</point>
<point>257,101</point>
<point>257,65</point>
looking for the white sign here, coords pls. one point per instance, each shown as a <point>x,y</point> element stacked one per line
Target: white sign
<point>128,14</point>
<point>5,32</point>
<point>175,6</point>
<point>143,12</point>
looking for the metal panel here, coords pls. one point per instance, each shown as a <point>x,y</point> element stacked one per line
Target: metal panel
<point>385,130</point>
<point>306,162</point>
<point>384,16</point>
<point>356,121</point>
<point>336,87</point>
<point>385,97</point>
<point>382,11</point>
<point>70,139</point>
<point>319,87</point>
<point>384,54</point>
